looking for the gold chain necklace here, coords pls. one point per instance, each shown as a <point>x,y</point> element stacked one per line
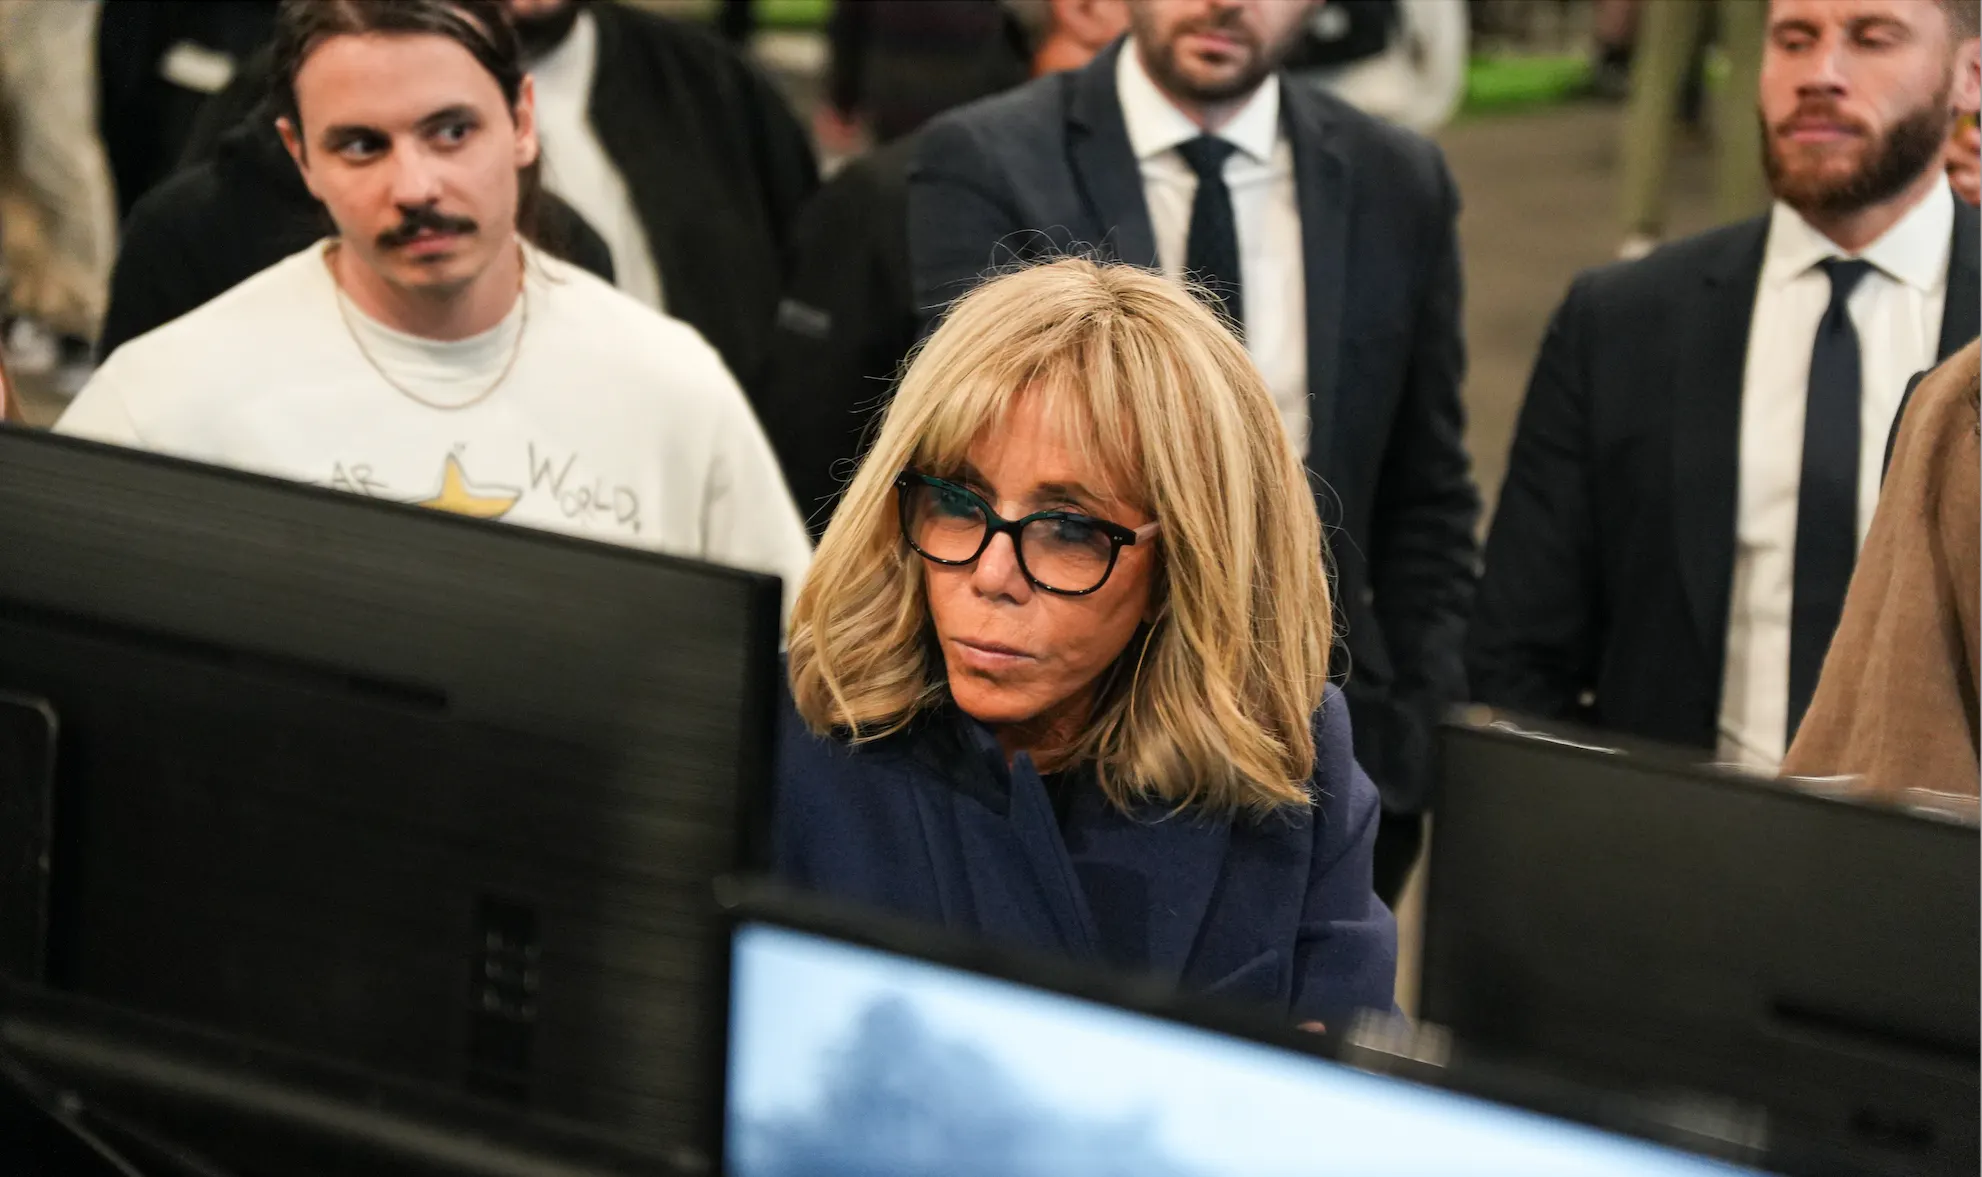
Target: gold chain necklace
<point>516,349</point>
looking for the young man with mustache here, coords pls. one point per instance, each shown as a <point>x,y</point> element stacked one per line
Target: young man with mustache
<point>1328,239</point>
<point>1705,430</point>
<point>427,353</point>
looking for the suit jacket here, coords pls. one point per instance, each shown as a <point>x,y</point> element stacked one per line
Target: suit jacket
<point>931,824</point>
<point>1047,169</point>
<point>1610,565</point>
<point>846,324</point>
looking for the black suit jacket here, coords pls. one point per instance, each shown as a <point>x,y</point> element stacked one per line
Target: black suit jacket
<point>846,323</point>
<point>717,167</point>
<point>1611,560</point>
<point>1047,169</point>
<point>145,116</point>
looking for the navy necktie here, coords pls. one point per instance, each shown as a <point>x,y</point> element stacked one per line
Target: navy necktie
<point>1212,256</point>
<point>1827,496</point>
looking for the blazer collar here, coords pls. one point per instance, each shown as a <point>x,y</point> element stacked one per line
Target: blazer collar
<point>1180,856</point>
<point>1322,180</point>
<point>1706,415</point>
<point>1104,165</point>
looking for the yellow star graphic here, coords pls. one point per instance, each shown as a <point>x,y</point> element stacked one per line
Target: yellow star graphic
<point>458,497</point>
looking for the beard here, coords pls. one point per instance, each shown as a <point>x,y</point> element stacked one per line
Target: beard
<point>1162,61</point>
<point>1887,163</point>
<point>538,35</point>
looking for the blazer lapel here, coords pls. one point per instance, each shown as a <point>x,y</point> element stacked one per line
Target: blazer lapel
<point>1003,864</point>
<point>1961,315</point>
<point>1706,424</point>
<point>1182,857</point>
<point>1104,166</point>
<point>1321,189</point>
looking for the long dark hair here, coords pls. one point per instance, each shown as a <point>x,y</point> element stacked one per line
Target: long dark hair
<point>482,27</point>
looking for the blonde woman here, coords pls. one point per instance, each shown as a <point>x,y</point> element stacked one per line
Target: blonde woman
<point>1058,670</point>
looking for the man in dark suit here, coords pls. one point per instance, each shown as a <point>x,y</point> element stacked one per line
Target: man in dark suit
<point>681,155</point>
<point>1700,450</point>
<point>1328,238</point>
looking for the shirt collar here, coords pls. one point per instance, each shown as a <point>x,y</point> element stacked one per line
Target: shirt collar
<point>1155,124</point>
<point>1914,251</point>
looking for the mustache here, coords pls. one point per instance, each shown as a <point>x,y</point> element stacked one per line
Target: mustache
<point>1821,109</point>
<point>422,218</point>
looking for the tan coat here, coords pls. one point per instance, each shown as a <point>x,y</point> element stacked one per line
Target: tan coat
<point>1896,704</point>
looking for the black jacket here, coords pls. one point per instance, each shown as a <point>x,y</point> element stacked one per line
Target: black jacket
<point>847,322</point>
<point>717,166</point>
<point>1048,169</point>
<point>1610,566</point>
<point>147,102</point>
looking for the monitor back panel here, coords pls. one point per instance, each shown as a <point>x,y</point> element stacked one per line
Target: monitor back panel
<point>1680,927</point>
<point>433,797</point>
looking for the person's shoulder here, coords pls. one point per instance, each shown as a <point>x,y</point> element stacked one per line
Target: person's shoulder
<point>1025,118</point>
<point>177,375</point>
<point>1671,268</point>
<point>679,50</point>
<point>1332,737</point>
<point>176,205</point>
<point>251,317</point>
<point>878,174</point>
<point>1372,145</point>
<point>1341,790</point>
<point>604,325</point>
<point>655,30</point>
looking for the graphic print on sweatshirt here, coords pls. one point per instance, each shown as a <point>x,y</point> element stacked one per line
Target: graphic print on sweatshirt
<point>533,485</point>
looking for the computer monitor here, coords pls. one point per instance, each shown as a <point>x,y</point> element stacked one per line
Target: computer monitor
<point>859,1047</point>
<point>131,1093</point>
<point>1662,923</point>
<point>435,797</point>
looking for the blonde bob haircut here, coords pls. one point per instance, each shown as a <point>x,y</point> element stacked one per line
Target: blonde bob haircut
<point>1211,707</point>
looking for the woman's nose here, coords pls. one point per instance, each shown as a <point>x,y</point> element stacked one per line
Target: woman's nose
<point>997,572</point>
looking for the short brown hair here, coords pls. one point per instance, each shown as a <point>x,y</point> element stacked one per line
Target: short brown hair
<point>1965,17</point>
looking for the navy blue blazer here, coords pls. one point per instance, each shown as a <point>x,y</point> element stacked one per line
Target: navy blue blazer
<point>930,823</point>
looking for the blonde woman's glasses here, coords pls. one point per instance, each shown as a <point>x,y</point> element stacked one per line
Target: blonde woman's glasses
<point>1062,552</point>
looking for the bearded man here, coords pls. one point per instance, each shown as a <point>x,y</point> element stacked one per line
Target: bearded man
<point>1705,430</point>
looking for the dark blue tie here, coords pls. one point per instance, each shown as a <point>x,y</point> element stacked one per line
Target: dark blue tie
<point>1212,256</point>
<point>1827,496</point>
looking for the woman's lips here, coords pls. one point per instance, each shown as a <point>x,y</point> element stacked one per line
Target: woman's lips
<point>990,656</point>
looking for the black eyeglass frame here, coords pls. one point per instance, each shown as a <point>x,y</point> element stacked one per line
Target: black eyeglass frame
<point>995,524</point>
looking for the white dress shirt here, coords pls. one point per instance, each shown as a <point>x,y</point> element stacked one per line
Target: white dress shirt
<point>576,165</point>
<point>1896,310</point>
<point>1260,175</point>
